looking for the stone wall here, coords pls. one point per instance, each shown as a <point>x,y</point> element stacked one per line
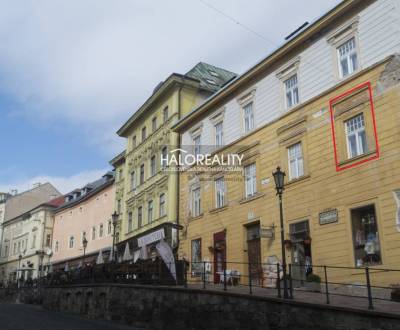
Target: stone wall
<point>179,308</point>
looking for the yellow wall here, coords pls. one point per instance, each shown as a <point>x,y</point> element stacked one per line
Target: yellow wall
<point>321,188</point>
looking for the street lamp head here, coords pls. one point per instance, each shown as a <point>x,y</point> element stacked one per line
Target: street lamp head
<point>115,217</point>
<point>84,242</point>
<point>279,177</point>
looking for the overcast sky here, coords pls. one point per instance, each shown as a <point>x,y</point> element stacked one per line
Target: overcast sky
<point>73,71</point>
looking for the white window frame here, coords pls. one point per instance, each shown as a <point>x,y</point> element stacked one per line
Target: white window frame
<point>195,199</point>
<point>250,176</point>
<point>130,221</point>
<point>162,205</point>
<point>248,117</point>
<point>220,192</point>
<point>71,242</point>
<point>197,144</point>
<point>296,158</point>
<point>219,134</point>
<point>153,166</point>
<point>150,211</point>
<point>357,133</point>
<point>292,89</point>
<point>397,199</point>
<point>347,56</point>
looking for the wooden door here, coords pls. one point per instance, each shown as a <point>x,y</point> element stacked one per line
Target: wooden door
<point>219,255</point>
<point>254,256</point>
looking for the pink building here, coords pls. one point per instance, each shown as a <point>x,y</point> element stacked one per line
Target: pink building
<point>86,213</point>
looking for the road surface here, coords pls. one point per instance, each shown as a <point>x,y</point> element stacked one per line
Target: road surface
<point>31,317</point>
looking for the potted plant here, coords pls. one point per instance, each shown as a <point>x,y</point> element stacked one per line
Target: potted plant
<point>307,240</point>
<point>395,294</point>
<point>313,283</point>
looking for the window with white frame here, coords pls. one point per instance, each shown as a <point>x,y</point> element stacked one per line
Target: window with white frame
<point>153,165</point>
<point>355,136</point>
<point>347,58</point>
<point>162,205</point>
<point>291,91</point>
<point>142,174</point>
<point>150,211</point>
<point>140,216</point>
<point>397,198</point>
<point>164,157</point>
<point>101,230</point>
<point>133,180</point>
<point>248,114</point>
<point>130,221</point>
<point>220,192</point>
<point>219,134</point>
<point>250,180</point>
<point>93,233</point>
<point>197,144</point>
<point>196,202</point>
<point>296,163</point>
<point>71,242</point>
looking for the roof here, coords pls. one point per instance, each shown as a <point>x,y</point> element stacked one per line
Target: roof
<point>29,200</point>
<point>241,80</point>
<point>205,76</point>
<point>89,190</point>
<point>120,158</point>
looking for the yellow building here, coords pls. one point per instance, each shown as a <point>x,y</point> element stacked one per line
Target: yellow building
<point>325,108</point>
<point>146,194</point>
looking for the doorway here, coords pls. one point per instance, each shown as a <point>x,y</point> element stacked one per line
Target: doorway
<point>301,252</point>
<point>254,253</point>
<point>219,255</point>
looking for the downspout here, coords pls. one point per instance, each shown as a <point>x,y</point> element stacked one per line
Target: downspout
<point>178,179</point>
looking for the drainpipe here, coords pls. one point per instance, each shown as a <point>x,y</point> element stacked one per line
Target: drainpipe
<point>178,179</point>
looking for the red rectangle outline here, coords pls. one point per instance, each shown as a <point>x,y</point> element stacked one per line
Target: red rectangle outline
<point>335,99</point>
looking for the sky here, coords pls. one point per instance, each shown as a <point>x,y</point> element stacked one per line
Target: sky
<point>73,71</point>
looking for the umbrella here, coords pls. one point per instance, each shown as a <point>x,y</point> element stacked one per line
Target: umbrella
<point>51,268</point>
<point>99,259</point>
<point>111,256</point>
<point>127,254</point>
<point>66,267</point>
<point>80,264</point>
<point>136,255</point>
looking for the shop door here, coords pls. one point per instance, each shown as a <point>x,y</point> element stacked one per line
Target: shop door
<point>219,255</point>
<point>301,252</point>
<point>254,253</point>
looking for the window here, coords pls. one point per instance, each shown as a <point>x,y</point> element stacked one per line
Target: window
<point>292,91</point>
<point>164,157</point>
<point>219,134</point>
<point>56,247</point>
<point>83,237</point>
<point>250,180</point>
<point>295,159</point>
<point>165,114</point>
<point>71,242</point>
<point>48,240</point>
<point>196,202</point>
<point>130,222</point>
<point>197,144</point>
<point>101,230</point>
<point>142,174</point>
<point>119,206</point>
<point>143,133</point>
<point>197,264</point>
<point>93,233</point>
<point>140,216</point>
<point>133,180</point>
<point>153,165</point>
<point>154,124</point>
<point>220,192</point>
<point>355,136</point>
<point>109,227</point>
<point>134,141</point>
<point>248,117</point>
<point>150,212</point>
<point>347,57</point>
<point>365,236</point>
<point>33,241</point>
<point>162,205</point>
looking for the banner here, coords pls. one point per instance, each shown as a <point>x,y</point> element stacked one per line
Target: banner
<point>165,251</point>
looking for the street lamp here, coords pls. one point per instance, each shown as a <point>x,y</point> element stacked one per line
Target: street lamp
<point>114,218</point>
<point>41,254</point>
<point>279,178</point>
<point>19,269</point>
<point>84,244</point>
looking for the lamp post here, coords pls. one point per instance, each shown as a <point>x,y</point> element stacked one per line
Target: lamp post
<point>41,254</point>
<point>84,244</point>
<point>279,177</point>
<point>19,269</point>
<point>114,218</point>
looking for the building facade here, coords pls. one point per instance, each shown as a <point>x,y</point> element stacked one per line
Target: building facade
<point>27,233</point>
<point>146,194</point>
<point>324,108</point>
<point>84,215</point>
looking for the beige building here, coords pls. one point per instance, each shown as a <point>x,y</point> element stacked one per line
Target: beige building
<point>84,214</point>
<point>27,233</point>
<point>146,194</point>
<point>324,107</point>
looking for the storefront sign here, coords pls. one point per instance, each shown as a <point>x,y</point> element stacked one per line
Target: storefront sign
<point>267,232</point>
<point>329,216</point>
<point>151,238</point>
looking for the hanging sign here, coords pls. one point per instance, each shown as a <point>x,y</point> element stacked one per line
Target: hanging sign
<point>151,238</point>
<point>267,232</point>
<point>328,216</point>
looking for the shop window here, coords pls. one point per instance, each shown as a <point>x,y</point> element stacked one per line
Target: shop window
<point>196,257</point>
<point>365,237</point>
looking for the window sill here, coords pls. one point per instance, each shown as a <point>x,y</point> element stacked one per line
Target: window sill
<point>299,179</point>
<point>191,218</point>
<point>351,160</point>
<point>218,209</point>
<point>251,198</point>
